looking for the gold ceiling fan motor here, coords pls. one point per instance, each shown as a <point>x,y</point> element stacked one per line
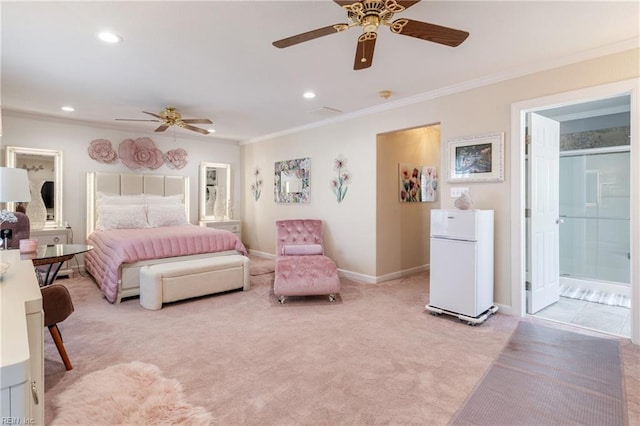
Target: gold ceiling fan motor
<point>171,117</point>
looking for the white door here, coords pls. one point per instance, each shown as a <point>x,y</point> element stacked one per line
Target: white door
<point>543,274</point>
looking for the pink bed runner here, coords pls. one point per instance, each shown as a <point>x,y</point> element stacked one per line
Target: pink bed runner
<point>113,248</point>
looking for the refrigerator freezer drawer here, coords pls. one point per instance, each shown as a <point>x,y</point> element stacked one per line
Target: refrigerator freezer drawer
<point>454,224</point>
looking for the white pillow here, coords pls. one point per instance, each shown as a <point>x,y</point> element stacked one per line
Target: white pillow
<point>112,216</point>
<point>114,199</point>
<point>301,249</point>
<point>159,199</point>
<point>166,215</point>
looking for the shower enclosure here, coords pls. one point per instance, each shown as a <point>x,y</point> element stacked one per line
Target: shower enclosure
<point>595,236</point>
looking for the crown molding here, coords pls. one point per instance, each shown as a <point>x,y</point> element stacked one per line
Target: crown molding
<point>528,69</point>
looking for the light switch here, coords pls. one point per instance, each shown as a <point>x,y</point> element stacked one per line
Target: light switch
<point>457,191</point>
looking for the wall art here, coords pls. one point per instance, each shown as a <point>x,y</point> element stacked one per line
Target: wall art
<point>340,184</point>
<point>291,181</point>
<point>477,158</point>
<point>256,187</point>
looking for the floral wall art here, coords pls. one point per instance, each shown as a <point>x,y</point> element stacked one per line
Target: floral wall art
<point>137,154</point>
<point>340,184</point>
<point>256,187</point>
<point>102,151</point>
<point>417,183</point>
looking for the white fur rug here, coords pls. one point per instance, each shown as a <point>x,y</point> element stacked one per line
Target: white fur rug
<point>134,393</point>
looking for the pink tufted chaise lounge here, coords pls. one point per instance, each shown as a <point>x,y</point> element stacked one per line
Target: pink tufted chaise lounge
<point>302,269</point>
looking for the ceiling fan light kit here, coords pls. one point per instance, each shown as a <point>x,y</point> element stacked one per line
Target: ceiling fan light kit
<point>370,14</point>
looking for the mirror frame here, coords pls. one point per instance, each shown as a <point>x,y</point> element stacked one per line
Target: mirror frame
<point>12,160</point>
<point>202,191</point>
<point>303,167</point>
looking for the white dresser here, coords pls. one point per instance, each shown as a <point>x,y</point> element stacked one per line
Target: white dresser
<point>55,236</point>
<point>21,343</point>
<point>229,225</point>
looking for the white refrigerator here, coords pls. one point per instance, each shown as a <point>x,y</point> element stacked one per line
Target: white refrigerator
<point>461,263</point>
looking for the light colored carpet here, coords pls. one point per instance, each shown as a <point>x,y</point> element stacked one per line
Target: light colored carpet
<point>602,297</point>
<point>134,393</point>
<point>546,376</point>
<point>261,265</point>
<point>375,358</point>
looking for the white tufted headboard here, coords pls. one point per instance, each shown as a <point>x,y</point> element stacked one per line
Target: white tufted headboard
<point>132,184</point>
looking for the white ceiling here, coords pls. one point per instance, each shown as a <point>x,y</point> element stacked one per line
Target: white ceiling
<point>214,59</point>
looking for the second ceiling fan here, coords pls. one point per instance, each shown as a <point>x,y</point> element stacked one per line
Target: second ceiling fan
<point>370,14</point>
<point>171,117</point>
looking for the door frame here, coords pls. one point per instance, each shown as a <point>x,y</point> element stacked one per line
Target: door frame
<point>518,190</point>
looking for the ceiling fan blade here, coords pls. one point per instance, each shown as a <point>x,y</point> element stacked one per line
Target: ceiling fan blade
<point>364,53</point>
<point>404,3</point>
<point>197,120</point>
<point>430,32</point>
<point>195,129</point>
<point>151,113</point>
<point>309,35</point>
<point>162,128</point>
<point>134,119</point>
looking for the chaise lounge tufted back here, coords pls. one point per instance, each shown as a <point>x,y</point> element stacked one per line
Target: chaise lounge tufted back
<point>298,232</point>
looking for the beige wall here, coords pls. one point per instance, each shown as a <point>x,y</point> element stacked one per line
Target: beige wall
<point>353,225</point>
<point>402,229</point>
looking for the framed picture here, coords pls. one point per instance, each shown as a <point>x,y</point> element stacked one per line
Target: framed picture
<point>477,158</point>
<point>417,183</point>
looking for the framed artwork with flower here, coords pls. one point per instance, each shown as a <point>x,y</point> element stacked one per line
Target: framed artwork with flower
<point>418,184</point>
<point>477,158</point>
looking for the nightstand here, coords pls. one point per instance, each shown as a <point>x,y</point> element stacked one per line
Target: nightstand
<point>55,236</point>
<point>229,225</point>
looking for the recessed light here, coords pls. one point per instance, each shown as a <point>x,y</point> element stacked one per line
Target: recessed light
<point>68,108</point>
<point>211,130</point>
<point>309,95</point>
<point>109,37</point>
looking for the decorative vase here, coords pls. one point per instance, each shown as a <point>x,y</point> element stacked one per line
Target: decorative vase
<point>36,209</point>
<point>220,205</point>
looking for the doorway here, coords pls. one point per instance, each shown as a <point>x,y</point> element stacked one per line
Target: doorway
<point>519,196</point>
<point>593,216</point>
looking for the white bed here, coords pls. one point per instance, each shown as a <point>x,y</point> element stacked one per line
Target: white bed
<point>128,274</point>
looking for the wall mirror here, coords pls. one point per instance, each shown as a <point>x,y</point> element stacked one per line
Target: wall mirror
<point>291,181</point>
<point>44,167</point>
<point>214,191</point>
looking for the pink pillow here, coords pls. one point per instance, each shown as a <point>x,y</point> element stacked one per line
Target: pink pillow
<point>301,249</point>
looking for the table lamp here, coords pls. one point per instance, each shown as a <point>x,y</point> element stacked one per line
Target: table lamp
<point>14,187</point>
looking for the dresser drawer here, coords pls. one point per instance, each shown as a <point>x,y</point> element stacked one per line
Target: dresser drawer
<point>235,228</point>
<point>51,239</point>
<point>228,225</point>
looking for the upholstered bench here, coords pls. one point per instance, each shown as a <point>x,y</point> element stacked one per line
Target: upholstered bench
<point>169,282</point>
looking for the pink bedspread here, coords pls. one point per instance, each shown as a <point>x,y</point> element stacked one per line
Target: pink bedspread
<point>113,248</point>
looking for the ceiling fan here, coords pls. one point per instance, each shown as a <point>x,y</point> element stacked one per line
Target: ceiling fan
<point>170,117</point>
<point>370,14</point>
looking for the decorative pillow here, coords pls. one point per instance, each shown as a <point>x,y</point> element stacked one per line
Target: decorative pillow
<point>301,249</point>
<point>112,216</point>
<point>114,199</point>
<point>159,199</point>
<point>166,215</point>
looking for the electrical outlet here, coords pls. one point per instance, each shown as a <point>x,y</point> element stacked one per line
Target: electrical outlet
<point>457,191</point>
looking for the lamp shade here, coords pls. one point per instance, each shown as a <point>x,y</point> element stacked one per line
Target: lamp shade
<point>14,185</point>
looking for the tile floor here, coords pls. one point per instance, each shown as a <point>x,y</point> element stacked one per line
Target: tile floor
<point>595,316</point>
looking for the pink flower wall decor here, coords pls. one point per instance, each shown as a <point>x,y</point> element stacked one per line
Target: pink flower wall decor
<point>140,153</point>
<point>176,158</point>
<point>102,151</point>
